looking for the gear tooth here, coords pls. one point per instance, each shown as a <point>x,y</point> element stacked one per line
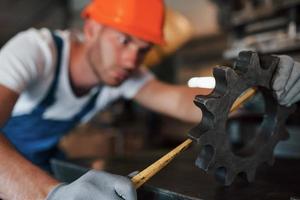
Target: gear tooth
<point>211,104</point>
<point>243,60</point>
<point>207,103</point>
<point>230,178</point>
<point>221,175</point>
<point>250,174</point>
<point>220,74</point>
<point>205,158</point>
<point>225,176</point>
<point>206,123</point>
<point>201,99</point>
<point>202,163</point>
<point>195,134</point>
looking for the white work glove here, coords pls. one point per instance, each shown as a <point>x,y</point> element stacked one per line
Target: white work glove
<point>95,185</point>
<point>287,81</point>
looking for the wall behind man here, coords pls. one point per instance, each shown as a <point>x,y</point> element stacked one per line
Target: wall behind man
<point>18,15</point>
<point>201,13</point>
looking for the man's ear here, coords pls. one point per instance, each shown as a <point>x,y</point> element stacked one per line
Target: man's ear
<point>91,29</point>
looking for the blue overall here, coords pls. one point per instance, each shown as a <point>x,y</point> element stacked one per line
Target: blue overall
<point>37,138</point>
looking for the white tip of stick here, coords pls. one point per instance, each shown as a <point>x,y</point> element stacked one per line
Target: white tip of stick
<point>202,82</point>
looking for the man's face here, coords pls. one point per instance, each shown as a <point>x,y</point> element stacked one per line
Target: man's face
<point>114,56</point>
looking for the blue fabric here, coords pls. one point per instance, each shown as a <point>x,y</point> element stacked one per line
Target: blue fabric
<point>37,138</point>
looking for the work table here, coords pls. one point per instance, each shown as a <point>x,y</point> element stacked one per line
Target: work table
<point>181,179</point>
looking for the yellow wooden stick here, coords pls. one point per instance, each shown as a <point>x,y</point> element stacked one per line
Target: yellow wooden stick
<point>142,177</point>
<point>147,173</point>
<point>243,98</point>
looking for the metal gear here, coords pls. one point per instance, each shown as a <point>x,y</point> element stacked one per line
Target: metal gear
<point>215,152</point>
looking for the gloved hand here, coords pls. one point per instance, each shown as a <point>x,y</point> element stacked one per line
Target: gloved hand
<point>95,185</point>
<point>287,81</point>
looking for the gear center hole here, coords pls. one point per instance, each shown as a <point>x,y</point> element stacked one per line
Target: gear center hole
<point>250,127</point>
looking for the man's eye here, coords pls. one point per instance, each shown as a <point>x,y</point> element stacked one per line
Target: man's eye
<point>145,50</point>
<point>124,40</point>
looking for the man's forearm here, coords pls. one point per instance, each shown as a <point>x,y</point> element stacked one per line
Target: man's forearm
<point>188,110</point>
<point>20,179</point>
<point>175,101</point>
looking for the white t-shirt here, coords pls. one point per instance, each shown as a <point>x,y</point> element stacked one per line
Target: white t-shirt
<point>27,66</point>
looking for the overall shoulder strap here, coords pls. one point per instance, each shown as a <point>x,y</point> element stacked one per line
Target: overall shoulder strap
<point>50,95</point>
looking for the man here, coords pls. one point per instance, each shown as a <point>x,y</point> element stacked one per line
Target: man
<point>50,81</point>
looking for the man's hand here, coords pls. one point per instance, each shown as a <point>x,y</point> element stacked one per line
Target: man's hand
<point>287,81</point>
<point>95,185</point>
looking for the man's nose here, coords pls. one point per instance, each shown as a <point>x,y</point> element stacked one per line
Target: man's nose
<point>131,58</point>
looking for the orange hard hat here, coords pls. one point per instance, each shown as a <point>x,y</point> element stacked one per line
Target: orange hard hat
<point>140,18</point>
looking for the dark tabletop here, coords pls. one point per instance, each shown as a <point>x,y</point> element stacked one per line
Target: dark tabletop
<point>181,179</point>
<point>181,176</point>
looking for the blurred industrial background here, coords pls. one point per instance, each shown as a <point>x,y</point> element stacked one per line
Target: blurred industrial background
<point>201,34</point>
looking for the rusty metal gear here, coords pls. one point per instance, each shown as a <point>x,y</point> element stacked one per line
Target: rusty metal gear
<point>215,152</point>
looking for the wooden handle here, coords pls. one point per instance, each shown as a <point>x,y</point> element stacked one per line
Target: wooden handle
<point>150,171</point>
<point>142,177</point>
<point>243,98</point>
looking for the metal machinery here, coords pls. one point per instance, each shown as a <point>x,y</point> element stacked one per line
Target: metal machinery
<point>218,154</point>
<point>266,26</point>
<point>16,16</point>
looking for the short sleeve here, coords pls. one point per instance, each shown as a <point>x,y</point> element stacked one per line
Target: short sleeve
<point>22,60</point>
